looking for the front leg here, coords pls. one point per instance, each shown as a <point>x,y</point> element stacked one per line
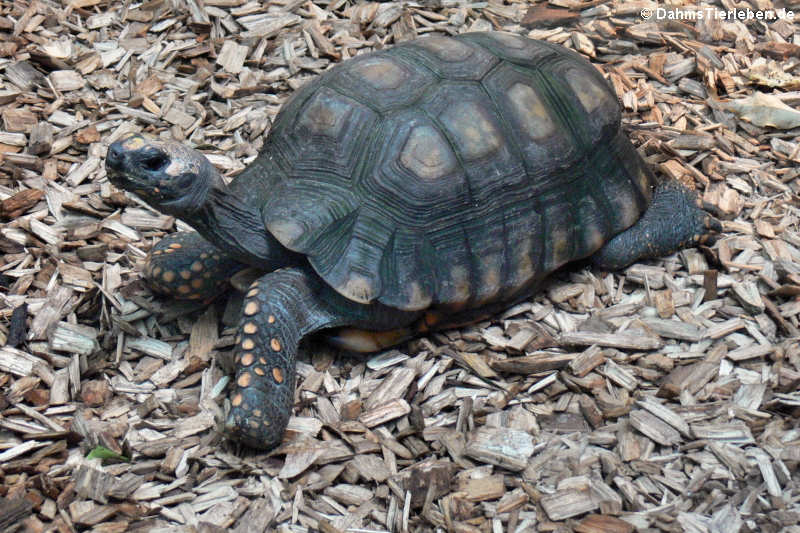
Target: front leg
<point>184,265</point>
<point>279,310</point>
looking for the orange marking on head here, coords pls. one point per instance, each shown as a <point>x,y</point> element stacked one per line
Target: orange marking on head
<point>184,289</point>
<point>248,344</point>
<point>197,266</point>
<point>197,283</point>
<point>249,328</point>
<point>277,374</point>
<point>271,319</point>
<point>258,370</point>
<point>185,274</point>
<point>168,276</point>
<point>251,308</point>
<point>244,380</point>
<point>248,358</point>
<point>236,401</point>
<point>275,344</point>
<point>175,245</point>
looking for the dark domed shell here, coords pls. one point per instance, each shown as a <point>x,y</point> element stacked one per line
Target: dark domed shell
<point>450,171</point>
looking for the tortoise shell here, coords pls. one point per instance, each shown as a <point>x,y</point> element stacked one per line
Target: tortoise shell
<point>452,172</point>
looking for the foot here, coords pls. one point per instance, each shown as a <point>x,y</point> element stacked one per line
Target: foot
<point>280,309</point>
<point>184,265</point>
<point>674,220</point>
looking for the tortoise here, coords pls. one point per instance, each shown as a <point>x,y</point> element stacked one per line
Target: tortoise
<point>420,187</point>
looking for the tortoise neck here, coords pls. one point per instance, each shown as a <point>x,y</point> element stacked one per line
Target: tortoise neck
<point>235,226</point>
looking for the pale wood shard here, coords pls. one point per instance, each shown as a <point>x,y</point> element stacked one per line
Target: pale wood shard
<point>733,433</point>
<point>675,329</point>
<point>150,346</point>
<point>385,412</point>
<point>231,57</point>
<point>73,338</point>
<point>531,364</point>
<point>596,523</point>
<point>587,360</point>
<point>654,428</point>
<point>508,448</point>
<point>666,414</point>
<point>394,385</point>
<point>483,488</point>
<point>625,341</point>
<point>567,503</point>
<point>689,378</point>
<point>619,375</point>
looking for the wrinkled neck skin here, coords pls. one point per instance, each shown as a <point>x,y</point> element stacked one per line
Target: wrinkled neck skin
<point>237,228</point>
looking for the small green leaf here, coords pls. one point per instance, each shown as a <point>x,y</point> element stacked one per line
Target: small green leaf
<point>101,452</point>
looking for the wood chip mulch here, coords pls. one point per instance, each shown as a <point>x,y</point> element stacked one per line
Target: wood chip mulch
<point>660,398</point>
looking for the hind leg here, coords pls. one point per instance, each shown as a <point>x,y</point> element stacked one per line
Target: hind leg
<point>186,266</point>
<point>674,220</point>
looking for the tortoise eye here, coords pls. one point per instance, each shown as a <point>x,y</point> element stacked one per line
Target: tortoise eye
<point>155,161</point>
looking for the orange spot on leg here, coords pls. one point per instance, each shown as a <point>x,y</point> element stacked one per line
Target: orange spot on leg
<point>236,401</point>
<point>248,344</point>
<point>275,344</point>
<point>185,274</point>
<point>271,319</point>
<point>277,374</point>
<point>244,380</point>
<point>168,276</point>
<point>175,246</point>
<point>248,358</point>
<point>249,328</point>
<point>197,283</point>
<point>258,370</point>
<point>251,308</point>
<point>197,266</point>
<point>184,289</point>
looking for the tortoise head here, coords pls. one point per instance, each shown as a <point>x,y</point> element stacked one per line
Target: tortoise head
<point>171,177</point>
